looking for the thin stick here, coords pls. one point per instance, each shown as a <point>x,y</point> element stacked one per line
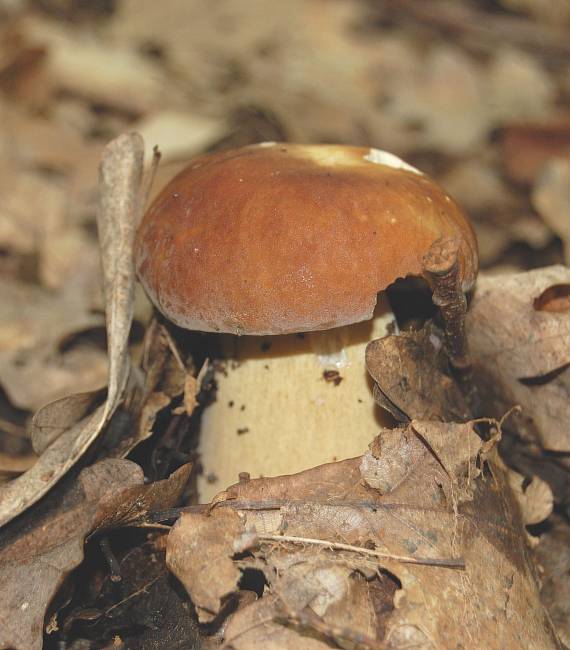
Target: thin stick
<point>451,563</point>
<point>277,504</point>
<point>143,589</point>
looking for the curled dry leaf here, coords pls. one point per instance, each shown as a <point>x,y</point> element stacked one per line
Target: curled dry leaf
<point>120,204</point>
<point>412,377</point>
<point>528,362</point>
<point>423,562</point>
<point>535,500</point>
<point>39,550</point>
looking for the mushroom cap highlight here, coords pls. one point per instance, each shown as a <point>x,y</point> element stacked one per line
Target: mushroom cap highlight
<point>280,238</point>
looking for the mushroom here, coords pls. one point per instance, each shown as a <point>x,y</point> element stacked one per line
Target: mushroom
<point>283,250</point>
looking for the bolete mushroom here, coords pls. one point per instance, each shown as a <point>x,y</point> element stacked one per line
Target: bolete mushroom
<point>283,249</point>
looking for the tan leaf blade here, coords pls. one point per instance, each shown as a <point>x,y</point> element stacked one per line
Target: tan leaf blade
<point>121,173</point>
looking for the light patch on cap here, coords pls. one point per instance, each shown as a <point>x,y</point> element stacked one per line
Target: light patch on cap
<point>269,143</point>
<point>328,155</point>
<point>390,160</point>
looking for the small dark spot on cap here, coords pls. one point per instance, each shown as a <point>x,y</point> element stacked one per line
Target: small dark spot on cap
<point>231,403</point>
<point>211,478</point>
<point>265,346</point>
<point>360,401</point>
<point>242,407</point>
<point>266,366</point>
<point>243,430</point>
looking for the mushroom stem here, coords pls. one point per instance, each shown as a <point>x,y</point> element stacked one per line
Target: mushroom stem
<point>290,402</point>
<point>441,267</point>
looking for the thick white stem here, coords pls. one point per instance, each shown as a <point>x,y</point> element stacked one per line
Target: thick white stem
<point>288,403</point>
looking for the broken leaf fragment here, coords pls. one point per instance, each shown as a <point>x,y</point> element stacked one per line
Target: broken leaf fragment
<point>200,552</point>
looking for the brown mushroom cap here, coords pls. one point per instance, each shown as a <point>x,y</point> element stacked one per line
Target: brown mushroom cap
<point>279,238</point>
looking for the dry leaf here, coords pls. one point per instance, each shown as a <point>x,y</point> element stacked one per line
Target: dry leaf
<point>121,171</point>
<point>49,424</point>
<point>39,550</point>
<point>527,362</point>
<point>34,559</point>
<point>321,532</point>
<point>199,553</point>
<point>412,376</point>
<point>535,499</point>
<point>258,626</point>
